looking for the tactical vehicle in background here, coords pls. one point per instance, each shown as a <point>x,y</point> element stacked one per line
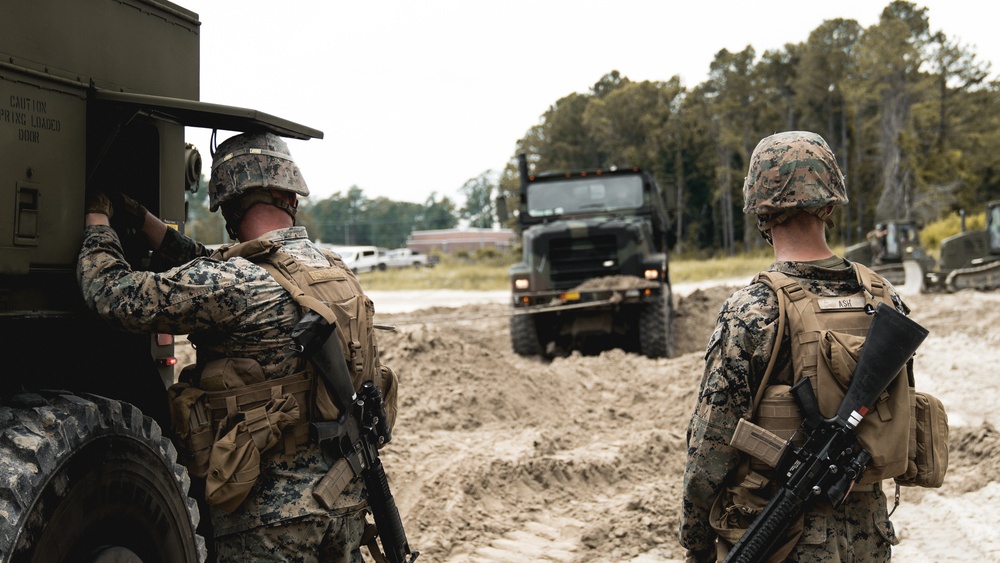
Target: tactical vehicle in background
<point>971,259</point>
<point>893,250</point>
<point>594,272</point>
<point>93,94</point>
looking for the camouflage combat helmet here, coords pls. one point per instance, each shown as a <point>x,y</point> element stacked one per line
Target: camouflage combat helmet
<point>790,172</point>
<point>253,160</point>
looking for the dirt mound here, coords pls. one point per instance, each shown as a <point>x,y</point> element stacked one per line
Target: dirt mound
<point>496,457</point>
<point>695,317</point>
<point>500,458</point>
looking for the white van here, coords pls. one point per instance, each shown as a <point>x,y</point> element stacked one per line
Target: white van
<point>360,258</point>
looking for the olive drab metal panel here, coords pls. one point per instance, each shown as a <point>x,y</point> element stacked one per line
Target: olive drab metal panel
<point>53,54</point>
<point>146,46</point>
<point>43,130</point>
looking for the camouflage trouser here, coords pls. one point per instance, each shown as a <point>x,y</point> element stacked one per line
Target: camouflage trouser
<point>858,533</point>
<point>310,539</point>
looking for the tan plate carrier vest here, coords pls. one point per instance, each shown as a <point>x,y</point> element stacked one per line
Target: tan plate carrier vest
<point>906,432</point>
<point>230,414</point>
<point>826,335</point>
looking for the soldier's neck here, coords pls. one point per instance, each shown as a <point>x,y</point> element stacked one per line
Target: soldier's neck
<point>800,240</point>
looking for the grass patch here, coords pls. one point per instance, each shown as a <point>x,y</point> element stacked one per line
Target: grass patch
<point>489,273</point>
<point>482,271</point>
<point>739,266</point>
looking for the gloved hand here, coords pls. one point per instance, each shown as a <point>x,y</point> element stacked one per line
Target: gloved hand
<point>98,202</point>
<point>131,213</point>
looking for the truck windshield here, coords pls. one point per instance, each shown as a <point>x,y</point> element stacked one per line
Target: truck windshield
<point>584,195</point>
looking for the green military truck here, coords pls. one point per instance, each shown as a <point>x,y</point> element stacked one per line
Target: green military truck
<point>93,93</point>
<point>594,272</point>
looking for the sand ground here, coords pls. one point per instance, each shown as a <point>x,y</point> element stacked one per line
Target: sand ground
<point>497,457</point>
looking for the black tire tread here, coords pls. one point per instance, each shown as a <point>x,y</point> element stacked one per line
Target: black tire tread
<point>656,327</point>
<point>524,335</point>
<point>40,431</point>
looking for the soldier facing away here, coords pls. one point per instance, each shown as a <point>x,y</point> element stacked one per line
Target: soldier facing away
<point>239,317</point>
<point>793,185</point>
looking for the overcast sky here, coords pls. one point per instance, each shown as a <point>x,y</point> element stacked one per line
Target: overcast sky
<point>419,96</point>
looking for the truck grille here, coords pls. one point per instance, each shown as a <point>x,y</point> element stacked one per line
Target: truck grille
<point>575,260</point>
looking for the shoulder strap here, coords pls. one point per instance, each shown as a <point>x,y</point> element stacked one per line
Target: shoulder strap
<point>874,285</point>
<point>275,263</point>
<point>776,281</point>
<point>253,250</point>
<point>268,255</point>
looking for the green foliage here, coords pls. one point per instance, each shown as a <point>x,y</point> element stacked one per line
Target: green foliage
<point>437,214</point>
<point>354,219</point>
<point>478,208</point>
<point>342,219</point>
<point>951,224</point>
<point>909,113</point>
<point>201,224</point>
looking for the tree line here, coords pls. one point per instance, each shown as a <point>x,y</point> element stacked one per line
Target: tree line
<point>341,219</point>
<point>912,115</point>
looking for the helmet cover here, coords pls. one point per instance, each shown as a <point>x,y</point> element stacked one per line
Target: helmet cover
<point>792,170</point>
<point>253,160</point>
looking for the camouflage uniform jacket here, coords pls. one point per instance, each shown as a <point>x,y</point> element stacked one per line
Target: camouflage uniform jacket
<point>231,308</point>
<point>735,361</point>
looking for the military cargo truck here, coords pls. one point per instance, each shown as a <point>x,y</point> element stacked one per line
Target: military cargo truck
<point>93,94</point>
<point>594,272</point>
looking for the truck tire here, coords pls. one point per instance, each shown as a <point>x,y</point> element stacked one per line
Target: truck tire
<point>656,338</point>
<point>524,335</point>
<point>91,479</point>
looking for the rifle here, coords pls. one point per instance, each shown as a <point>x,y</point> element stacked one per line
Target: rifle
<point>355,436</point>
<point>831,460</point>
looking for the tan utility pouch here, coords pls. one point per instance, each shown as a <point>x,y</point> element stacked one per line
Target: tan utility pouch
<point>192,425</point>
<point>778,415</point>
<point>222,430</point>
<point>928,444</point>
<point>885,433</point>
<point>234,463</point>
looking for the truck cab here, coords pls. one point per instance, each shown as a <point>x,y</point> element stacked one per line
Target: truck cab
<point>594,266</point>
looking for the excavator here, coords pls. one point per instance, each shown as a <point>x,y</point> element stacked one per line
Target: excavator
<point>893,250</point>
<point>970,259</point>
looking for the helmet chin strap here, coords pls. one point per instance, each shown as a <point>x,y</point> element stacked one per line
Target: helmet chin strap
<point>234,211</point>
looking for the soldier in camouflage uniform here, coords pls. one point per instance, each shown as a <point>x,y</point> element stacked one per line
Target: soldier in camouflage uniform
<point>792,186</point>
<point>234,308</point>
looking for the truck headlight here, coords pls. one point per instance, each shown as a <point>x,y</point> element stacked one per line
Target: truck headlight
<point>652,274</point>
<point>521,283</point>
